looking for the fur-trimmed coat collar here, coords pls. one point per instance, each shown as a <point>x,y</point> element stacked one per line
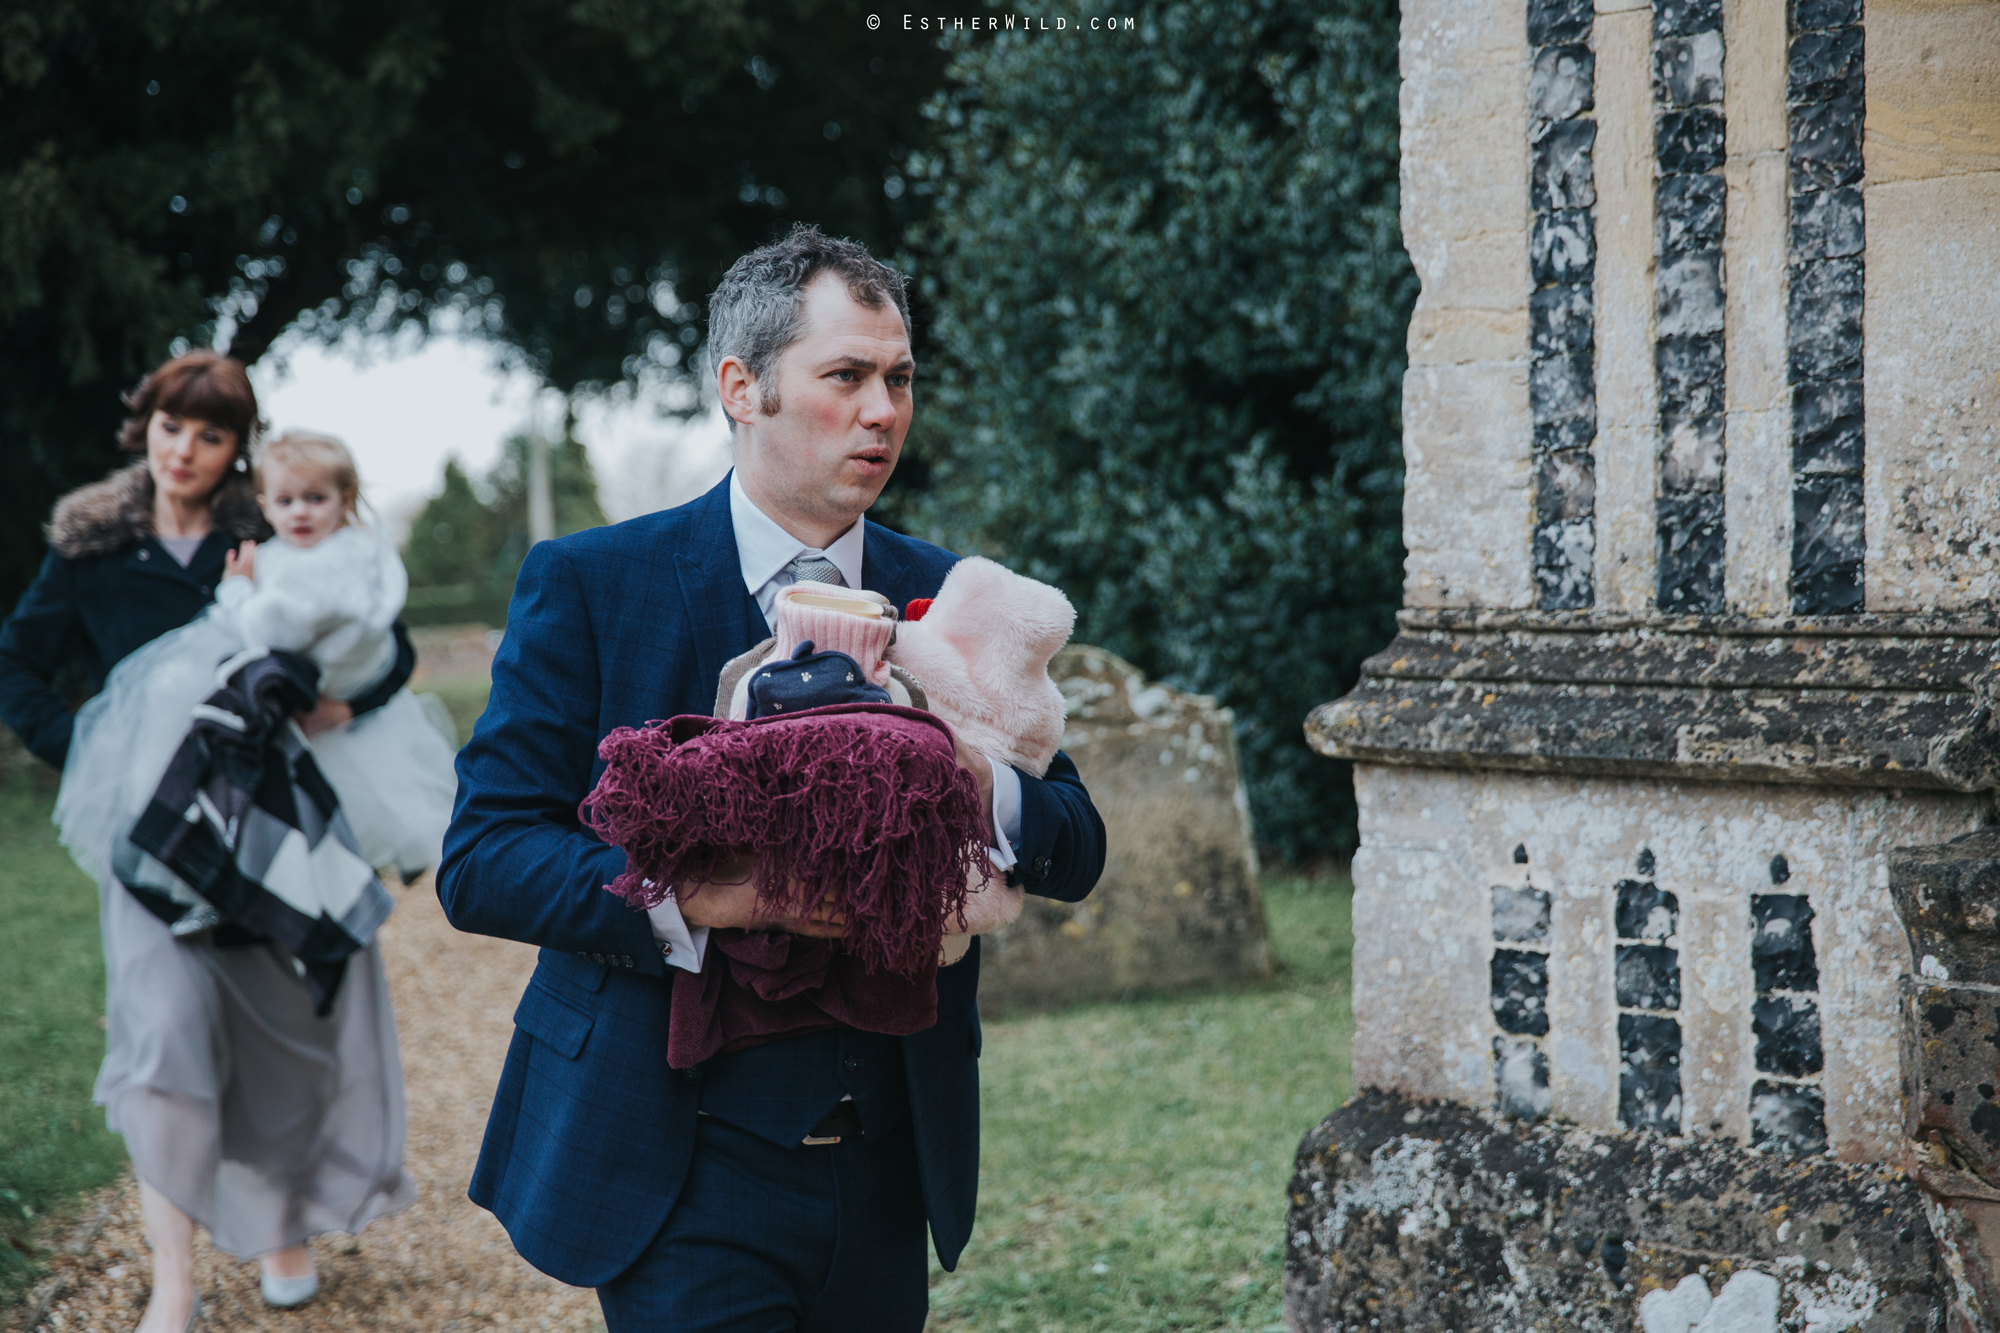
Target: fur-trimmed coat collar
<point>117,512</point>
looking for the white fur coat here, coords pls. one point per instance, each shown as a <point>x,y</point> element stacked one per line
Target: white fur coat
<point>334,602</point>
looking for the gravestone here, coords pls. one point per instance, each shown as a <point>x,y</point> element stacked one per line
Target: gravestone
<point>1178,903</point>
<point>1702,436</point>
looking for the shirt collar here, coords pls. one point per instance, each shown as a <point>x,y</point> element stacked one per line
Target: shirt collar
<point>763,549</point>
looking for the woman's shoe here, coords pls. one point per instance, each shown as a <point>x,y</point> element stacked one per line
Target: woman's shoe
<point>286,1293</point>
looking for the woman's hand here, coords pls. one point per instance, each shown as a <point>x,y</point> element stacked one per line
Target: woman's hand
<point>242,560</point>
<point>327,714</point>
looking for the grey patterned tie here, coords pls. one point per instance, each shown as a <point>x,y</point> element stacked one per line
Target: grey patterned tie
<point>815,569</point>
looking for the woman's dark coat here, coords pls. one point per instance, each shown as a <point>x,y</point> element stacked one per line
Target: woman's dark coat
<point>109,587</point>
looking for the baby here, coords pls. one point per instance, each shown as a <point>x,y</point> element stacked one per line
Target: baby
<point>190,783</point>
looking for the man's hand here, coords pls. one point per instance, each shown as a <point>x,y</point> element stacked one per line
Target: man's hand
<point>728,901</point>
<point>981,769</point>
<point>327,714</point>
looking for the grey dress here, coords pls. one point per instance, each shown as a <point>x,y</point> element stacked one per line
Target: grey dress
<point>262,1122</point>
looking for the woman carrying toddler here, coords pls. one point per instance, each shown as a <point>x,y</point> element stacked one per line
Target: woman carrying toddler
<point>240,1108</point>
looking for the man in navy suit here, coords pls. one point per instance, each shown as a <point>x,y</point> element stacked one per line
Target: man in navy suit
<point>787,1186</point>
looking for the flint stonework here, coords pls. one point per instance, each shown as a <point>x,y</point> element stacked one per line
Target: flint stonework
<point>1826,79</point>
<point>1690,305</point>
<point>1412,1215</point>
<point>1562,379</point>
<point>1699,631</point>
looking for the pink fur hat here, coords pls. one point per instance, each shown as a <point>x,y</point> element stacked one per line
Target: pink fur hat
<point>982,653</point>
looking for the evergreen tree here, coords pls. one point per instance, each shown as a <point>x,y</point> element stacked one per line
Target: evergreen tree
<point>570,177</point>
<point>467,543</point>
<point>1169,296</point>
<point>451,543</point>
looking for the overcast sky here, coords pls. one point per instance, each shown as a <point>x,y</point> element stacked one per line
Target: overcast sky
<point>405,406</point>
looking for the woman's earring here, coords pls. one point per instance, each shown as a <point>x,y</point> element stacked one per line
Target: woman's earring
<point>242,464</point>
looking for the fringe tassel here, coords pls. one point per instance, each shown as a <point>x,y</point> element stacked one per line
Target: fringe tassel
<point>869,809</point>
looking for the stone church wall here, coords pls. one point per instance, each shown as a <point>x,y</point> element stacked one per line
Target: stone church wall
<point>1702,443</point>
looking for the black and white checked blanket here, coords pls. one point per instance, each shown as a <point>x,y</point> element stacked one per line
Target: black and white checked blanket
<point>249,834</point>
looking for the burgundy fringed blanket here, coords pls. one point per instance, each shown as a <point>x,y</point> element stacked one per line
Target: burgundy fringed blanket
<point>864,803</point>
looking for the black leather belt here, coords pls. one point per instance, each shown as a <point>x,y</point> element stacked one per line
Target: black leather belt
<point>843,1121</point>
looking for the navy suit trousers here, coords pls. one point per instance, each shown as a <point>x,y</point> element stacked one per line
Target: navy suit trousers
<point>810,1238</point>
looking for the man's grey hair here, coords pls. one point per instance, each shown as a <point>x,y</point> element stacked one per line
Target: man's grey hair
<point>758,310</point>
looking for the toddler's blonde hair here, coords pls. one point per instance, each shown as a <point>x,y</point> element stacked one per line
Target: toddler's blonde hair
<point>319,455</point>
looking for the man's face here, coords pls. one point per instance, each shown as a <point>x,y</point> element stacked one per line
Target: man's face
<point>824,438</point>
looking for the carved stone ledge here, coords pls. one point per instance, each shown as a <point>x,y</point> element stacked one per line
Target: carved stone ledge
<point>1856,701</point>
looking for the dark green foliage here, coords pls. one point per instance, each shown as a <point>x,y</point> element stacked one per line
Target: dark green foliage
<point>1169,294</point>
<point>464,550</point>
<point>570,176</point>
<point>452,539</point>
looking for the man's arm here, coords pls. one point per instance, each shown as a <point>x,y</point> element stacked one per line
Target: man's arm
<point>1060,852</point>
<point>517,862</point>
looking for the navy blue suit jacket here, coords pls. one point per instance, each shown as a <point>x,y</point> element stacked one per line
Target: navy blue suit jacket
<point>591,1132</point>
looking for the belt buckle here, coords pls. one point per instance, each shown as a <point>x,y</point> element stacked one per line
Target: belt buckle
<point>818,1140</point>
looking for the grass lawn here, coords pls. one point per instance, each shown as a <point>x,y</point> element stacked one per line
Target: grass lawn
<point>53,1143</point>
<point>1134,1156</point>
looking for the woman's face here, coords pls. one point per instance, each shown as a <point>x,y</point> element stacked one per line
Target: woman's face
<point>187,456</point>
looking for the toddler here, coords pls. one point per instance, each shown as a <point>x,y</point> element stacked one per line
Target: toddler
<point>330,587</point>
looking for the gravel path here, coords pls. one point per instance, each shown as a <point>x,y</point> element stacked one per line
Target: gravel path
<point>443,1265</point>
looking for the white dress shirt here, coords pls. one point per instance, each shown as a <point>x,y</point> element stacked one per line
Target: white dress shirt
<point>763,550</point>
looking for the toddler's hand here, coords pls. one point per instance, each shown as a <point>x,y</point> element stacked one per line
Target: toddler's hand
<point>242,560</point>
<point>325,716</point>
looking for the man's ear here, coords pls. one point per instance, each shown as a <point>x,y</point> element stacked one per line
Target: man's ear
<point>737,389</point>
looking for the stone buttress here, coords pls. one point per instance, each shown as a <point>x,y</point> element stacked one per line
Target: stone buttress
<point>1702,444</point>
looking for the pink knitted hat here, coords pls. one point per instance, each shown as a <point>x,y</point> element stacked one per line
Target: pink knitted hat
<point>863,637</point>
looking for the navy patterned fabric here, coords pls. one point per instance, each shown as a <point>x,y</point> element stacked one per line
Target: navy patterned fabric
<point>591,1133</point>
<point>811,680</point>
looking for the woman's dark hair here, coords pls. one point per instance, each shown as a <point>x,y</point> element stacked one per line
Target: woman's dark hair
<point>205,385</point>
